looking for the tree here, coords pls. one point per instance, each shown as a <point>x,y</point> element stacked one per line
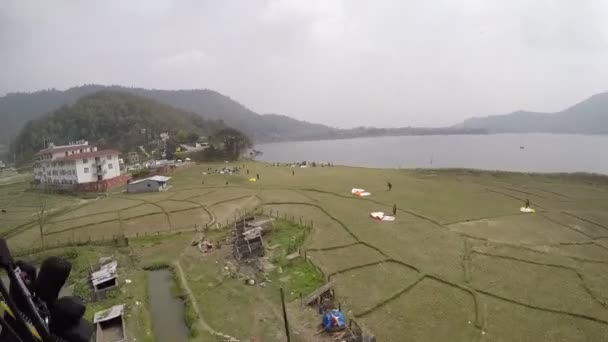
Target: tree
<point>192,137</point>
<point>234,142</point>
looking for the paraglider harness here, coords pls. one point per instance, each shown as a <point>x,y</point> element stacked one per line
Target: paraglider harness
<point>30,310</point>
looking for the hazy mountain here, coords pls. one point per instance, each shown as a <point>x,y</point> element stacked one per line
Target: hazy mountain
<point>110,119</point>
<point>587,117</point>
<point>18,108</point>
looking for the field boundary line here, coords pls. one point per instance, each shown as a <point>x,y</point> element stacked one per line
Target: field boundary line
<point>538,308</point>
<point>333,247</point>
<point>571,269</point>
<point>323,210</point>
<point>483,218</point>
<point>584,219</point>
<point>156,205</point>
<point>392,297</point>
<point>566,226</point>
<point>95,214</point>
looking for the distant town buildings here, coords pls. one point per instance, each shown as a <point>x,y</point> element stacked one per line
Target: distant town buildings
<point>76,165</point>
<point>198,146</point>
<point>133,157</point>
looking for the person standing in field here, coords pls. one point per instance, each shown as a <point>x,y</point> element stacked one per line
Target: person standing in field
<point>293,173</point>
<point>394,209</point>
<point>257,176</point>
<point>390,186</point>
<point>527,203</point>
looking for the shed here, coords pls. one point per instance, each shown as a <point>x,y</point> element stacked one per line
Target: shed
<point>150,184</point>
<point>110,324</point>
<point>105,277</point>
<point>325,291</point>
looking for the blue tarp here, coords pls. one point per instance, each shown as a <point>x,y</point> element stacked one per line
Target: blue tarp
<point>333,319</point>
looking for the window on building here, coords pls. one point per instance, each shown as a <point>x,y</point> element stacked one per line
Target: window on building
<point>86,170</point>
<point>60,163</point>
<point>110,166</point>
<point>66,153</point>
<point>109,157</point>
<point>85,161</point>
<point>54,172</point>
<point>62,172</point>
<point>48,173</point>
<point>53,164</point>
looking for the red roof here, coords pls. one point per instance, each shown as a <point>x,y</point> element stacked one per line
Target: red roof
<point>88,155</point>
<point>64,149</point>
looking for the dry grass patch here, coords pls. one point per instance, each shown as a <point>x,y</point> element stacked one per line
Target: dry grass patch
<point>171,205</point>
<point>506,322</point>
<point>188,218</point>
<point>431,311</point>
<point>146,224</point>
<point>539,285</point>
<point>522,229</point>
<point>139,211</point>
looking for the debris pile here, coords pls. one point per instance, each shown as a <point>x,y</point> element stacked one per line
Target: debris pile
<point>248,242</point>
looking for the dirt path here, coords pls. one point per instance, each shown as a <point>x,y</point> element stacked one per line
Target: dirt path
<point>201,320</point>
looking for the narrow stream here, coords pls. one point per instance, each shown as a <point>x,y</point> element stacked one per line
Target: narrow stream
<point>167,311</point>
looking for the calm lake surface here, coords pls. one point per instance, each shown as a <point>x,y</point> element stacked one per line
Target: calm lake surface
<point>167,311</point>
<point>540,152</point>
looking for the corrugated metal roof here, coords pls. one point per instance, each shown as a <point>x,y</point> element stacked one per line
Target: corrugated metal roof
<point>153,178</point>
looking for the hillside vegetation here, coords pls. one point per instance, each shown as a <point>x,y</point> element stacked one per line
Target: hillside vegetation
<point>110,119</point>
<point>19,108</point>
<point>587,117</point>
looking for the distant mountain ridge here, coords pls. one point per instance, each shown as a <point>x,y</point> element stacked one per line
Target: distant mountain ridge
<point>18,108</point>
<point>587,117</point>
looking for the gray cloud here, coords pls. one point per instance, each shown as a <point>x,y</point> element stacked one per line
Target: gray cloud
<point>344,63</point>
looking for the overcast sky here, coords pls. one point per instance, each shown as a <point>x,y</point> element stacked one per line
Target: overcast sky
<point>343,63</point>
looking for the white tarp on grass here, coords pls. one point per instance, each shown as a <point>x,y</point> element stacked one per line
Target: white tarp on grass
<point>360,192</point>
<point>380,216</point>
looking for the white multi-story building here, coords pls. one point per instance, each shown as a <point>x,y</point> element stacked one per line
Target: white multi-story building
<point>76,163</point>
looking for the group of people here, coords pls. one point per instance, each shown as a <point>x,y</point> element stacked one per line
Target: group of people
<point>304,163</point>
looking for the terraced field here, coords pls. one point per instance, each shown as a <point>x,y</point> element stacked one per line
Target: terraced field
<point>461,262</point>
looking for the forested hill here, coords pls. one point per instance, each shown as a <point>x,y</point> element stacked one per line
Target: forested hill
<point>18,108</point>
<point>587,117</point>
<point>110,119</point>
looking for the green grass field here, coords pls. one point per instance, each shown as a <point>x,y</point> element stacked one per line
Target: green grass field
<point>461,262</point>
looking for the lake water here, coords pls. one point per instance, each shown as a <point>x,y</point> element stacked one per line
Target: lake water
<point>167,311</point>
<point>507,152</point>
